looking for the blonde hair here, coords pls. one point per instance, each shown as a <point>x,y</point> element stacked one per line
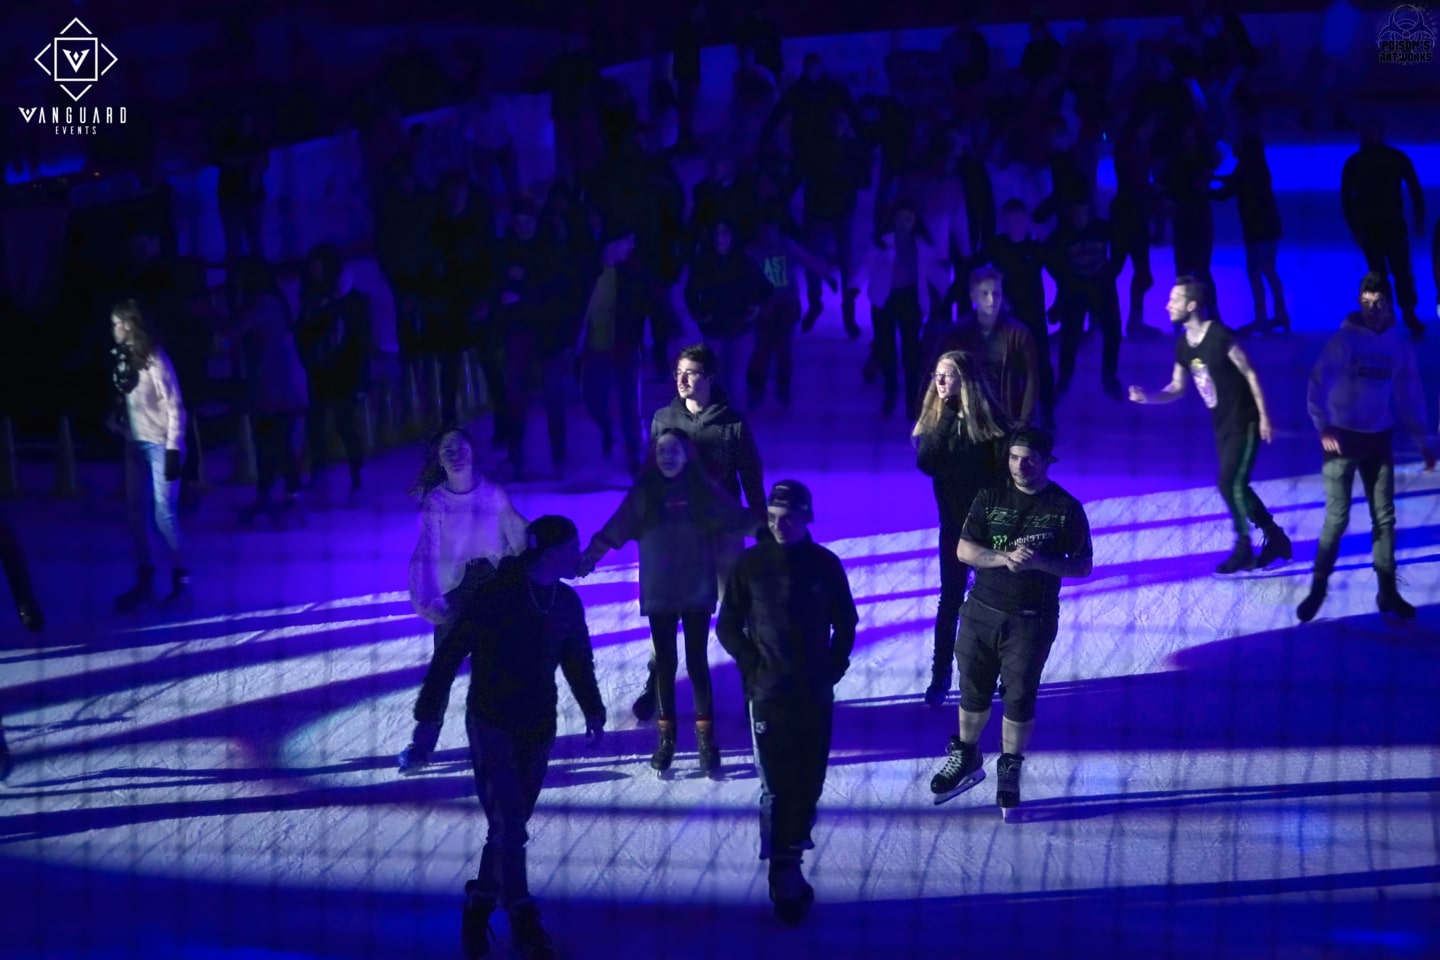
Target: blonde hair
<point>982,420</point>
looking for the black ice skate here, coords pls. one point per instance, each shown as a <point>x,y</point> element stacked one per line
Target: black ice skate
<point>1311,604</point>
<point>644,706</point>
<point>1007,783</point>
<point>475,922</point>
<point>1241,558</point>
<point>709,750</point>
<point>138,596</point>
<point>1276,547</point>
<point>7,765</point>
<point>791,894</point>
<point>179,596</point>
<point>963,769</point>
<point>1388,600</point>
<point>664,754</point>
<point>531,940</point>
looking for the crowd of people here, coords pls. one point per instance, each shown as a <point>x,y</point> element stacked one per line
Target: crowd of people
<point>961,336</point>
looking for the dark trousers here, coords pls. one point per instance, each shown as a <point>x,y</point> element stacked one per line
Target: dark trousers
<point>1097,299</point>
<point>954,577</point>
<point>774,344</point>
<point>617,370</point>
<point>1194,245</point>
<point>899,316</point>
<point>1386,247</point>
<point>450,363</point>
<point>509,771</point>
<point>241,220</point>
<point>1369,455</point>
<point>17,571</point>
<point>1045,371</point>
<point>1010,647</point>
<point>1131,223</point>
<point>1237,446</point>
<point>527,369</point>
<point>276,452</point>
<point>832,240</point>
<point>792,751</point>
<point>663,627</point>
<point>316,420</point>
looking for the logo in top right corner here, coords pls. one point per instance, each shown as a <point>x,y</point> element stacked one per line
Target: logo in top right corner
<point>1407,36</point>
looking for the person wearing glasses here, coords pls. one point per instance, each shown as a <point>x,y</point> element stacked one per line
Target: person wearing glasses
<point>727,453</point>
<point>959,439</point>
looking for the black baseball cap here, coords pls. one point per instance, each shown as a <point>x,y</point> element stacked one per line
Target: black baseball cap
<point>1036,438</point>
<point>791,495</point>
<point>547,532</point>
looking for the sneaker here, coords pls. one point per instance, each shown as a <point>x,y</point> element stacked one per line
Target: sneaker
<point>1241,558</point>
<point>531,940</point>
<point>791,894</point>
<point>1007,782</point>
<point>1311,604</point>
<point>475,922</point>
<point>1276,547</point>
<point>664,754</point>
<point>962,770</point>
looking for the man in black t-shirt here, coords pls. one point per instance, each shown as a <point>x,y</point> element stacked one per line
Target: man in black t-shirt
<point>1230,387</point>
<point>1021,537</point>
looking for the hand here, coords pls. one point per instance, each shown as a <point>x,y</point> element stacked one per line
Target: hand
<point>440,612</point>
<point>172,466</point>
<point>426,735</point>
<point>1020,559</point>
<point>1137,395</point>
<point>594,728</point>
<point>1330,440</point>
<point>1267,431</point>
<point>833,283</point>
<point>585,567</point>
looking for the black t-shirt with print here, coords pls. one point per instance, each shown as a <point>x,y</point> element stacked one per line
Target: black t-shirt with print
<point>1051,522</point>
<point>1218,380</point>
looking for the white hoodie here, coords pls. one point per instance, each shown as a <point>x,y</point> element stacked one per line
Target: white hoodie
<point>156,411</point>
<point>1356,375</point>
<point>456,528</point>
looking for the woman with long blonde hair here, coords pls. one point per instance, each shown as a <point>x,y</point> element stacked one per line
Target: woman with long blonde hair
<point>959,438</point>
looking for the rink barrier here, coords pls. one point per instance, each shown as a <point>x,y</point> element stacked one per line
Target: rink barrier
<point>244,473</point>
<point>412,424</point>
<point>67,480</point>
<point>367,423</point>
<point>482,387</point>
<point>469,405</point>
<point>437,393</point>
<point>389,429</point>
<point>9,475</point>
<point>200,483</point>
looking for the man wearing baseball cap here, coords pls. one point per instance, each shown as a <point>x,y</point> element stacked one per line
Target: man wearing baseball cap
<point>1021,537</point>
<point>788,619</point>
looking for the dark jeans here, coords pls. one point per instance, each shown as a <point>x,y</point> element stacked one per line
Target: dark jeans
<point>1237,445</point>
<point>316,420</point>
<point>17,571</point>
<point>1193,235</point>
<point>900,315</point>
<point>527,370</point>
<point>1012,647</point>
<point>1369,455</point>
<point>954,576</point>
<point>774,341</point>
<point>1098,300</point>
<point>509,771</point>
<point>832,240</point>
<point>697,663</point>
<point>1387,252</point>
<point>241,219</point>
<point>276,453</point>
<point>792,752</point>
<point>1131,223</point>
<point>619,369</point>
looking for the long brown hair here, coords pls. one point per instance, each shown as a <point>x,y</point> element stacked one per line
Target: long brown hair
<point>982,419</point>
<point>144,341</point>
<point>432,473</point>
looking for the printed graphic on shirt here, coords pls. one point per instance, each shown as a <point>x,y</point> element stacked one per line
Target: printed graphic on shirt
<point>1374,366</point>
<point>1204,383</point>
<point>1035,530</point>
<point>777,271</point>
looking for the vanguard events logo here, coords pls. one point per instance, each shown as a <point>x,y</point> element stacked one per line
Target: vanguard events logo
<point>76,60</point>
<point>1408,36</point>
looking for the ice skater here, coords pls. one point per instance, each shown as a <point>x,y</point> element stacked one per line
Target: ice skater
<point>516,629</point>
<point>788,619</point>
<point>959,442</point>
<point>678,514</point>
<point>1230,387</point>
<point>467,526</point>
<point>154,431</point>
<point>1021,537</point>
<point>1365,366</point>
<point>22,589</point>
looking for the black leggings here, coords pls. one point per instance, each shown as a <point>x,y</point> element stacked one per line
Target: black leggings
<point>954,576</point>
<point>663,627</point>
<point>1237,446</point>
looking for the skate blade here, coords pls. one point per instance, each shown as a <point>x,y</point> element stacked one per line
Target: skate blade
<point>666,775</point>
<point>1010,814</point>
<point>960,788</point>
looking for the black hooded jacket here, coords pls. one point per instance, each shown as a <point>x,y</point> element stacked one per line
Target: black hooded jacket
<point>725,444</point>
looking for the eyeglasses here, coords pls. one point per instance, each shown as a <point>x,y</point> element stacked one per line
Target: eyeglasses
<point>944,377</point>
<point>689,376</point>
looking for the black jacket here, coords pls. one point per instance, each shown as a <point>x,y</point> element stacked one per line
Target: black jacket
<point>515,641</point>
<point>335,339</point>
<point>1253,191</point>
<point>725,444</point>
<point>722,291</point>
<point>1370,187</point>
<point>789,621</point>
<point>959,468</point>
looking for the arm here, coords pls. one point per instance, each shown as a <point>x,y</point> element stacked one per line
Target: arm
<point>843,620</point>
<point>932,446</point>
<point>1410,401</point>
<point>752,473</point>
<point>514,528</point>
<point>972,554</point>
<point>730,624</point>
<point>624,525</point>
<point>434,696</point>
<point>1173,391</point>
<point>1348,199</point>
<point>726,515</point>
<point>1242,363</point>
<point>976,532</point>
<point>808,260</point>
<point>425,595</point>
<point>168,388</point>
<point>1078,561</point>
<point>1333,359</point>
<point>1031,359</point>
<point>577,662</point>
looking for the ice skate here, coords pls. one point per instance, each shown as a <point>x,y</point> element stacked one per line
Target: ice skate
<point>791,894</point>
<point>1241,558</point>
<point>475,922</point>
<point>179,597</point>
<point>1276,547</point>
<point>1389,601</point>
<point>531,940</point>
<point>963,769</point>
<point>1007,783</point>
<point>7,765</point>
<point>288,514</point>
<point>1310,606</point>
<point>644,706</point>
<point>664,754</point>
<point>139,596</point>
<point>709,751</point>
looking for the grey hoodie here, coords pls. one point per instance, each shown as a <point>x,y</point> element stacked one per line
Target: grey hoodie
<point>1358,372</point>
